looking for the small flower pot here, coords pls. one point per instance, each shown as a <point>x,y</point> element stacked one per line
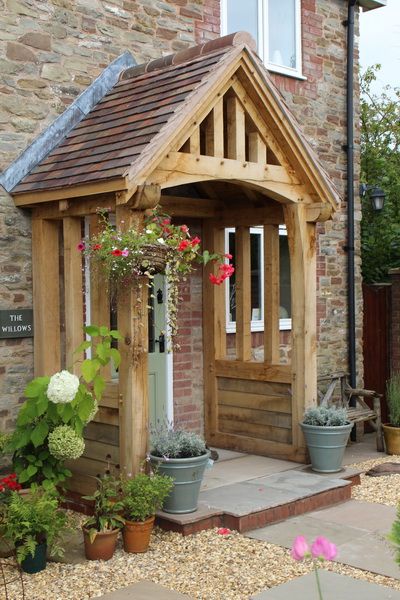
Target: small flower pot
<point>392,438</point>
<point>136,535</point>
<point>103,545</point>
<point>37,562</point>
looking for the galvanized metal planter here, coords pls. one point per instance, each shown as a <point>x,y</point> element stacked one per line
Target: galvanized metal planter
<point>187,474</point>
<point>326,446</point>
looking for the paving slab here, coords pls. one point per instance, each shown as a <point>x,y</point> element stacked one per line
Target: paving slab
<point>365,515</point>
<point>228,454</point>
<point>74,550</point>
<point>372,552</point>
<point>334,587</point>
<point>242,468</point>
<point>144,590</point>
<point>259,494</point>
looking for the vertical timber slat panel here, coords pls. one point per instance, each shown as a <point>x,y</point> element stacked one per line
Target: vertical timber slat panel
<point>243,294</point>
<point>236,130</point>
<point>214,328</point>
<point>99,296</point>
<point>257,148</point>
<point>73,291</point>
<point>215,131</point>
<point>302,248</point>
<point>46,296</point>
<point>133,371</point>
<point>271,294</point>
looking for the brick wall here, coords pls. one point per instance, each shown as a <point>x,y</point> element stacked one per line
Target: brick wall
<point>51,50</point>
<point>395,322</point>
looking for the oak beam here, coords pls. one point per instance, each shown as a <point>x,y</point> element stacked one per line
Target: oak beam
<point>73,292</point>
<point>194,142</point>
<point>87,189</point>
<point>81,207</point>
<point>214,131</point>
<point>46,297</point>
<point>302,249</point>
<point>257,148</point>
<point>236,137</point>
<point>243,293</point>
<point>133,371</point>
<point>271,294</point>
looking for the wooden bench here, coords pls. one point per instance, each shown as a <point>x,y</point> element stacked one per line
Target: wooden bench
<point>348,396</point>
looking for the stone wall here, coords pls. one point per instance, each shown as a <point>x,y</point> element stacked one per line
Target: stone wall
<point>52,49</point>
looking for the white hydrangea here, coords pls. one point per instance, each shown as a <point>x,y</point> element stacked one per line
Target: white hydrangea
<point>62,387</point>
<point>65,443</point>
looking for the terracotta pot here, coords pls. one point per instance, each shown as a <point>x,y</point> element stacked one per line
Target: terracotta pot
<point>136,535</point>
<point>103,545</point>
<point>392,438</point>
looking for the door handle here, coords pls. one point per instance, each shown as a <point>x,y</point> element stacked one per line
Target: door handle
<point>161,342</point>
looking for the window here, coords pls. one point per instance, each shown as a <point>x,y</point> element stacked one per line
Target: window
<point>257,280</point>
<point>274,24</point>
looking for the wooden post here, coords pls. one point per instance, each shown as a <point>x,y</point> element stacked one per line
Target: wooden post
<point>214,326</point>
<point>73,291</point>
<point>215,131</point>
<point>194,142</point>
<point>133,371</point>
<point>302,248</point>
<point>243,294</point>
<point>257,148</point>
<point>236,143</point>
<point>271,294</point>
<point>99,294</point>
<point>46,296</point>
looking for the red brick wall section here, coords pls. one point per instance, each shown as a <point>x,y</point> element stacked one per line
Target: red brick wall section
<point>395,321</point>
<point>208,27</point>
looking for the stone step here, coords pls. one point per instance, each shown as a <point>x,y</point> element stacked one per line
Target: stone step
<point>252,504</point>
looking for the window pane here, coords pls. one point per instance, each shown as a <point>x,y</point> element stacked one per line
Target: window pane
<point>256,302</point>
<point>232,279</point>
<point>285,304</point>
<point>282,32</point>
<point>242,16</point>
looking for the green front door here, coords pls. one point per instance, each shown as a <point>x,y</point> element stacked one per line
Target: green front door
<point>158,356</point>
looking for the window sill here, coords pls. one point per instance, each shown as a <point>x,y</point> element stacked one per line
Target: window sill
<point>284,325</point>
<point>285,73</point>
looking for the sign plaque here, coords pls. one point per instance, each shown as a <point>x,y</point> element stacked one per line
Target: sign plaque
<point>16,323</point>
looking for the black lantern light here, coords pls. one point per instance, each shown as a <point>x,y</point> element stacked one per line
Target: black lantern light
<point>376,194</point>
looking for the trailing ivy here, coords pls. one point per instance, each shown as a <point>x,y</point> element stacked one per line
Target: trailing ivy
<point>39,415</point>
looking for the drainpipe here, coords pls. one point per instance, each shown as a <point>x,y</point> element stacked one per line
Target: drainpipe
<point>350,194</point>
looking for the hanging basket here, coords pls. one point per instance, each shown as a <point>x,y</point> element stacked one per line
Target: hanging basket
<point>154,258</point>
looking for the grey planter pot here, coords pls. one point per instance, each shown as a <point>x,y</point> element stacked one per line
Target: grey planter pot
<point>187,474</point>
<point>326,446</point>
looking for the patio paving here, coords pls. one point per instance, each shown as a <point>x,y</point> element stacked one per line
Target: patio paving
<point>334,587</point>
<point>144,590</point>
<point>359,530</point>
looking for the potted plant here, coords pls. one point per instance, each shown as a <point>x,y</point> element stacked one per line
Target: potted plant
<point>100,531</point>
<point>183,456</point>
<point>33,523</point>
<point>142,496</point>
<point>326,431</point>
<point>391,430</point>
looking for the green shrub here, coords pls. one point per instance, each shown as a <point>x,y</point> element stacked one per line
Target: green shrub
<point>325,416</point>
<point>176,443</point>
<point>394,535</point>
<point>393,399</point>
<point>144,494</point>
<point>107,507</point>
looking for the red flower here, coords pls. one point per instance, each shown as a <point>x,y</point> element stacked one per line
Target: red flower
<point>184,228</point>
<point>81,246</point>
<point>228,256</point>
<point>116,252</point>
<point>224,531</point>
<point>215,280</point>
<point>183,245</point>
<point>195,241</point>
<point>97,247</point>
<point>165,221</point>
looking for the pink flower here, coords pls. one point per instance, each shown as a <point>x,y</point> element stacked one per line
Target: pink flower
<point>195,241</point>
<point>323,548</point>
<point>299,548</point>
<point>165,221</point>
<point>81,246</point>
<point>228,256</point>
<point>184,228</point>
<point>223,531</point>
<point>183,245</point>
<point>125,253</point>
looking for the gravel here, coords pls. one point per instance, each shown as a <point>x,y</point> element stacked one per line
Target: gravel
<point>205,566</point>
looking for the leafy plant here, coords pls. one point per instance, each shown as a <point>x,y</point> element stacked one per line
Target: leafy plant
<point>380,165</point>
<point>5,439</point>
<point>144,494</point>
<point>393,399</point>
<point>394,535</point>
<point>33,519</point>
<point>107,507</point>
<point>325,416</point>
<point>168,442</point>
<point>56,410</point>
<point>123,256</point>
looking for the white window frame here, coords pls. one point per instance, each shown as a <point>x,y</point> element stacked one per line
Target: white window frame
<point>256,325</point>
<point>263,37</point>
